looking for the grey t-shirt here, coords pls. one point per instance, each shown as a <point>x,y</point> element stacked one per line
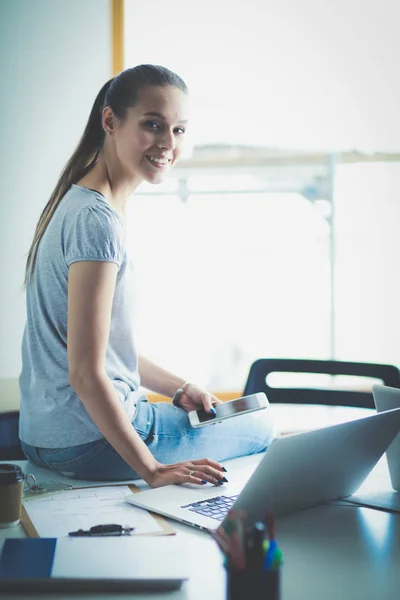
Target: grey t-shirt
<point>83,227</point>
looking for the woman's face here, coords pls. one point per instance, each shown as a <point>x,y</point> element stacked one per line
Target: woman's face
<point>150,140</point>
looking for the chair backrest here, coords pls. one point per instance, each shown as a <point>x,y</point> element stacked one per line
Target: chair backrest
<point>260,369</point>
<point>10,447</point>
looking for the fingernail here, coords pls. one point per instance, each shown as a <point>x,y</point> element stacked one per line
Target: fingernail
<point>213,411</point>
<point>225,479</point>
<point>223,468</point>
<point>221,482</point>
<point>203,481</point>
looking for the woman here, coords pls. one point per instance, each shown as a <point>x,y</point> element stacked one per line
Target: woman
<point>80,376</point>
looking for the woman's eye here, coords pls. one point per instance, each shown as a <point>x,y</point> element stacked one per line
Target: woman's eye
<point>152,124</point>
<point>180,130</point>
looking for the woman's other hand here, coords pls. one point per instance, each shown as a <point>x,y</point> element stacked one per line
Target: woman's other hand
<point>200,471</point>
<point>194,397</point>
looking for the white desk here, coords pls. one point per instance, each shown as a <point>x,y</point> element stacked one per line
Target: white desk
<point>303,417</point>
<point>331,552</point>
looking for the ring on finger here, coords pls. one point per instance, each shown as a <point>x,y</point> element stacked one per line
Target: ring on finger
<point>191,473</point>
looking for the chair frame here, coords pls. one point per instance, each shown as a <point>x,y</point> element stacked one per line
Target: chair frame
<point>10,446</point>
<point>261,368</point>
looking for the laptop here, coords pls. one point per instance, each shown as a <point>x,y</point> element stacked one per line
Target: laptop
<point>385,398</point>
<point>296,472</point>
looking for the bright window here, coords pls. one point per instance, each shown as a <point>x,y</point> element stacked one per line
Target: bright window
<point>224,279</point>
<point>232,267</point>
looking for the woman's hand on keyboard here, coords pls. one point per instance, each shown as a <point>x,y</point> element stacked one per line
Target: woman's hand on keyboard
<point>200,471</point>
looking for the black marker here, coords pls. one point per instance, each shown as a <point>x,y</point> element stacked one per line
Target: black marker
<point>110,529</point>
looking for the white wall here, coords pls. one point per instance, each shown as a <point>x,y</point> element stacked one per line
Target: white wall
<point>54,57</point>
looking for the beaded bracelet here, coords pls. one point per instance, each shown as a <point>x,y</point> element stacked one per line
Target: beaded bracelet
<point>178,394</point>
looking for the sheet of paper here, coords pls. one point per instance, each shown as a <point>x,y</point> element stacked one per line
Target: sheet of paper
<point>56,516</point>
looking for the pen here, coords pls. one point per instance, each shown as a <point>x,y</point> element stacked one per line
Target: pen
<point>273,554</point>
<point>255,546</point>
<point>269,557</point>
<point>97,530</point>
<point>277,559</point>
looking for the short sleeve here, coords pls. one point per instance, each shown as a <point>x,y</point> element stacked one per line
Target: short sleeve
<point>95,234</point>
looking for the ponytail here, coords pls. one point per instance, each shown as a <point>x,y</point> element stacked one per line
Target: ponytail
<point>83,159</point>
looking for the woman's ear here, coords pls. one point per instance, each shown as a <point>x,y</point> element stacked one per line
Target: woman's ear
<point>108,120</point>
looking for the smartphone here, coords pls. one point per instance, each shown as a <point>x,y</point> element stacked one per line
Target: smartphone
<point>225,410</point>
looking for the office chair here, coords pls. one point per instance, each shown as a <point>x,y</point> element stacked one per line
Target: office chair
<point>10,447</point>
<point>260,369</point>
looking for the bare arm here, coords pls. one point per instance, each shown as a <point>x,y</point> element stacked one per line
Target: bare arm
<point>163,382</point>
<point>157,379</point>
<point>91,286</point>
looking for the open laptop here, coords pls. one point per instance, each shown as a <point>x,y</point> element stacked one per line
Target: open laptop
<point>297,471</point>
<point>385,398</point>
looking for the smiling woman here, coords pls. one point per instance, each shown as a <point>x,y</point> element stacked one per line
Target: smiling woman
<point>145,138</point>
<point>82,412</point>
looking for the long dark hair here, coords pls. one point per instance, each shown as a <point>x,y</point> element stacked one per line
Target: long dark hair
<point>120,94</point>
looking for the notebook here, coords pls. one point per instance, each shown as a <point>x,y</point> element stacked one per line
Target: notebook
<point>385,398</point>
<point>296,472</point>
<point>107,564</point>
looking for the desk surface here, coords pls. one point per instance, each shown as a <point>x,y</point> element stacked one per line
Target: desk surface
<point>290,418</point>
<point>331,551</point>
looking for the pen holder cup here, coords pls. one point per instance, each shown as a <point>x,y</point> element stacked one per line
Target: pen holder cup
<point>254,585</point>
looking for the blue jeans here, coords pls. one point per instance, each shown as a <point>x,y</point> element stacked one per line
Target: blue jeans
<point>167,433</point>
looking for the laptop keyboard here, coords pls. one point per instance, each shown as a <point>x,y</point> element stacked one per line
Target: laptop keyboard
<point>216,508</point>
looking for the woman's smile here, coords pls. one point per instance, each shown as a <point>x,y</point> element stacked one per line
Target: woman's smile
<point>158,162</point>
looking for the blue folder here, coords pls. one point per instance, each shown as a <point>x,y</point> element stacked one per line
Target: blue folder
<point>91,565</point>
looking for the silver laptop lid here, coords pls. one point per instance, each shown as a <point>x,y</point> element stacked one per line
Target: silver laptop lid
<point>307,469</point>
<point>387,398</point>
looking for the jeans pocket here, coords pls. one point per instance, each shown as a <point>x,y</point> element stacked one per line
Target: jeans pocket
<point>143,421</point>
<point>73,457</point>
<point>31,454</point>
<point>51,451</point>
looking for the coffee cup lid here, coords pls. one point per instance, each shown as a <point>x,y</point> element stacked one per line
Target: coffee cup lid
<point>10,474</point>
